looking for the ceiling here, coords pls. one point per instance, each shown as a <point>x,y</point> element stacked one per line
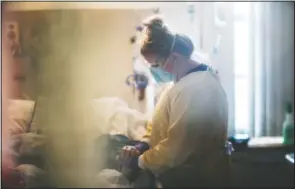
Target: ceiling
<point>34,6</point>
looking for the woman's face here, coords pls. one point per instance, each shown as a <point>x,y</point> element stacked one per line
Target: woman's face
<point>157,61</point>
<point>151,59</point>
<point>170,64</point>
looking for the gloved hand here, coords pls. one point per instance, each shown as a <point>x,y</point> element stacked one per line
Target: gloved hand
<point>130,168</point>
<point>142,147</point>
<point>134,151</point>
<point>129,159</point>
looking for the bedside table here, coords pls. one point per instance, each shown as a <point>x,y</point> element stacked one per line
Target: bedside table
<point>263,164</point>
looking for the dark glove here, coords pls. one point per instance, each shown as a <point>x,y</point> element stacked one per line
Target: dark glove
<point>133,150</point>
<point>130,168</point>
<point>142,147</point>
<point>129,163</point>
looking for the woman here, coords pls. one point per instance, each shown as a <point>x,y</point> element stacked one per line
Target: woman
<point>185,142</point>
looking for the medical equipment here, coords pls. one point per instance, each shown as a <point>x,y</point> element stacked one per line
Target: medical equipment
<point>137,80</point>
<point>290,157</point>
<point>220,14</point>
<point>239,141</point>
<point>191,11</point>
<point>288,126</point>
<point>217,44</point>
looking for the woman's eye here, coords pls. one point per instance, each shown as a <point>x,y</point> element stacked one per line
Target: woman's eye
<point>154,65</point>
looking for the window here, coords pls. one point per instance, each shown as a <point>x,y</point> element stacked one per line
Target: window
<point>205,31</point>
<point>241,66</point>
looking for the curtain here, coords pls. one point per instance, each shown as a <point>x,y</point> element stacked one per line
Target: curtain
<point>272,66</point>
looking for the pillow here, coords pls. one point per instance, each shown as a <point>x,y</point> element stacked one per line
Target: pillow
<point>113,116</point>
<point>19,114</point>
<point>40,111</point>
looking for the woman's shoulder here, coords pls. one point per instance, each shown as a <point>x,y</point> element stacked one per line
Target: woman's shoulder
<point>195,85</point>
<point>193,82</point>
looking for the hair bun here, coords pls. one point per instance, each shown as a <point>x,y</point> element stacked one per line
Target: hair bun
<point>155,23</point>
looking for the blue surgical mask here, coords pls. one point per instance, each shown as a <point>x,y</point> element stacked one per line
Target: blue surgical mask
<point>160,75</point>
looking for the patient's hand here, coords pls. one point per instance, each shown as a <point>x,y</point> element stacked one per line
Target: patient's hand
<point>129,151</point>
<point>134,151</point>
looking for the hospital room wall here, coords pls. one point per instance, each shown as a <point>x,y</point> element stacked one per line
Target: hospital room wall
<point>110,53</point>
<point>223,60</point>
<point>20,66</point>
<point>101,42</point>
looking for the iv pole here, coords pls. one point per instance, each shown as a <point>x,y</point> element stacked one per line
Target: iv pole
<point>138,80</point>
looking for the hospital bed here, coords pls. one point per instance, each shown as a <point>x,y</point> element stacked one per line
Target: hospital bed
<point>29,143</point>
